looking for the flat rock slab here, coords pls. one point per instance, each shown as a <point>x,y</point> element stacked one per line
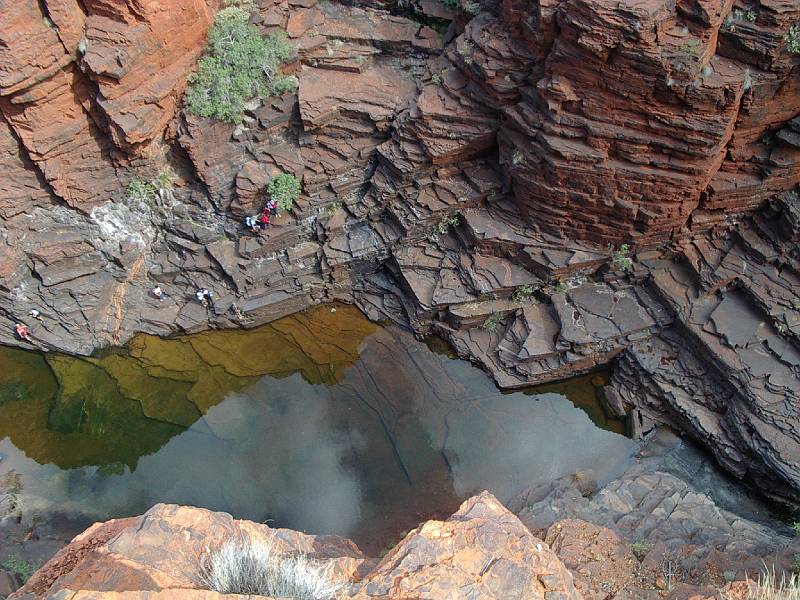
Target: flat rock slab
<point>593,312</point>
<point>736,320</point>
<point>324,94</point>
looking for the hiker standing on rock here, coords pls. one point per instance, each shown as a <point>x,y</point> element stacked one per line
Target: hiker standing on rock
<point>265,218</point>
<point>272,207</point>
<point>204,297</point>
<point>252,223</point>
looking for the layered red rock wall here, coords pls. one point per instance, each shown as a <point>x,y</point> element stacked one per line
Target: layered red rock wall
<point>646,112</point>
<point>84,86</point>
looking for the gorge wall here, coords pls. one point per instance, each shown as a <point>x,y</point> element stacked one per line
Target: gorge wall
<point>467,181</point>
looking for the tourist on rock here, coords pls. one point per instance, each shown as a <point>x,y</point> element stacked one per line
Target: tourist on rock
<point>252,223</point>
<point>158,293</point>
<point>272,207</point>
<point>35,314</point>
<point>22,332</point>
<point>204,296</point>
<point>265,218</point>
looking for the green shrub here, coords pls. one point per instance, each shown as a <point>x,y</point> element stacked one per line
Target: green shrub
<point>792,39</point>
<point>523,293</point>
<point>140,191</point>
<point>472,8</point>
<point>284,189</point>
<point>640,549</point>
<point>23,569</point>
<point>446,223</point>
<point>239,65</point>
<point>620,258</point>
<point>745,15</point>
<point>493,321</point>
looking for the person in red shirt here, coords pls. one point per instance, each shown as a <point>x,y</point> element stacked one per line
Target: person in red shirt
<point>22,332</point>
<point>265,218</point>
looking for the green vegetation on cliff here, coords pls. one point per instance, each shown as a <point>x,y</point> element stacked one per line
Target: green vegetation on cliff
<point>284,189</point>
<point>239,64</point>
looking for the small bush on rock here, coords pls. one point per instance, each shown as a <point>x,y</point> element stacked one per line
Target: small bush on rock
<point>239,65</point>
<point>792,39</point>
<point>140,191</point>
<point>640,549</point>
<point>23,569</point>
<point>245,566</point>
<point>284,189</point>
<point>160,186</point>
<point>620,258</point>
<point>523,293</point>
<point>493,321</point>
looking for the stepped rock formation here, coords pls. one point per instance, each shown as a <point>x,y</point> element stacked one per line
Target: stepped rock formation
<point>466,181</point>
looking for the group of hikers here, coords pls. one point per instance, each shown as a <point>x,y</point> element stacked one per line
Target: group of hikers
<point>203,295</point>
<point>257,223</point>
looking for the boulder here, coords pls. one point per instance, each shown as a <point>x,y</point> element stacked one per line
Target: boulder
<point>482,552</point>
<point>161,551</point>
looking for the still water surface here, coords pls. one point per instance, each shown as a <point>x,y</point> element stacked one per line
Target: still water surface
<point>321,421</point>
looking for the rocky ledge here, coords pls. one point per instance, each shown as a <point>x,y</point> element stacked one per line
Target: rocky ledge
<point>648,535</point>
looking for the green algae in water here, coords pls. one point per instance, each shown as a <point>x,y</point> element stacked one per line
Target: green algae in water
<point>584,392</point>
<point>115,408</point>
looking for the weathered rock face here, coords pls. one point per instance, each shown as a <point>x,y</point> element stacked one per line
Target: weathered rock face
<point>728,370</point>
<point>643,536</point>
<point>78,81</point>
<point>647,112</point>
<point>481,552</point>
<point>673,510</point>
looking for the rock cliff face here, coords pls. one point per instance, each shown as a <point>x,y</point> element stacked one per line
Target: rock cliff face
<point>84,85</point>
<point>468,183</point>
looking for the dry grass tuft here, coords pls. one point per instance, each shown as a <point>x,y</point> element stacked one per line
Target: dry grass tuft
<point>771,587</point>
<point>244,566</point>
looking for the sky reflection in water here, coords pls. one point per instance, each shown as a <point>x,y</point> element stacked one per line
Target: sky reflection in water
<point>321,422</point>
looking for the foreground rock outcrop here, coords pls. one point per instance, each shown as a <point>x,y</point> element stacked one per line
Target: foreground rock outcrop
<point>645,535</point>
<point>482,551</point>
